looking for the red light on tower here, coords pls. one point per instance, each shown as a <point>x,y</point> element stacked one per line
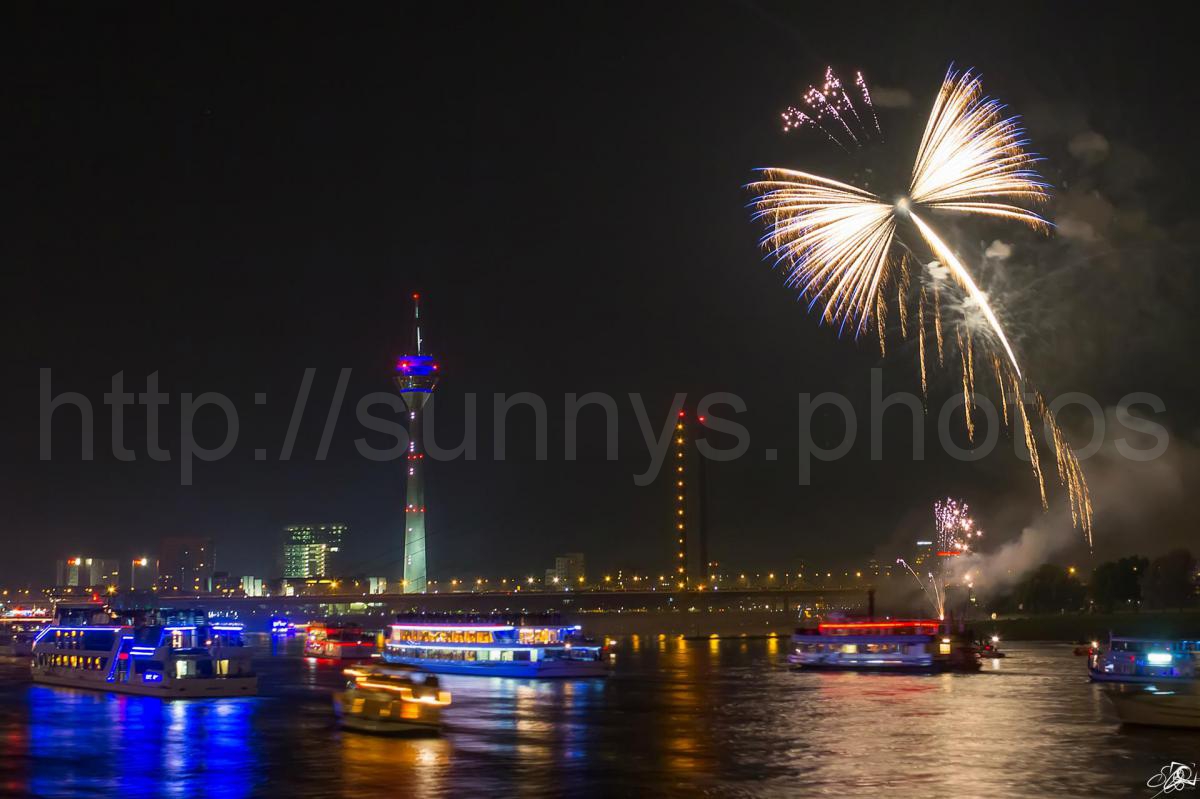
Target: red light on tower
<point>416,296</point>
<point>681,414</point>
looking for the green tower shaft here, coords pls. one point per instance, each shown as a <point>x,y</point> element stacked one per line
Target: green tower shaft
<point>416,377</point>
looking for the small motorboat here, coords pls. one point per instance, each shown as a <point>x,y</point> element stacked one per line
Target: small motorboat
<point>1174,705</point>
<point>990,648</point>
<point>391,700</point>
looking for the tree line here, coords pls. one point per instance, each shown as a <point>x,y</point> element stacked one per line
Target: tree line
<point>1168,582</point>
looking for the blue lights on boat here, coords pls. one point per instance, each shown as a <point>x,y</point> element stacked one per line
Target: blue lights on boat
<point>152,676</point>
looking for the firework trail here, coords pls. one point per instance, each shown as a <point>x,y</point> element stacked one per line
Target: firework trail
<point>838,242</point>
<point>861,83</point>
<point>933,598</point>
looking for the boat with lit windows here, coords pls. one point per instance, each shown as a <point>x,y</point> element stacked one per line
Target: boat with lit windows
<point>281,626</point>
<point>19,627</point>
<point>390,700</point>
<point>174,654</point>
<point>1145,660</point>
<point>338,641</point>
<point>921,645</point>
<point>495,649</point>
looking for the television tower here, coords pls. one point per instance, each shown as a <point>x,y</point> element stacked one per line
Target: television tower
<point>416,375</point>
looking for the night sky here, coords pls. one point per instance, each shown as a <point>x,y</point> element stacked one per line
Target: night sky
<point>227,197</point>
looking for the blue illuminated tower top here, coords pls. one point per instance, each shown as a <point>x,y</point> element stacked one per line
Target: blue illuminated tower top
<point>416,372</point>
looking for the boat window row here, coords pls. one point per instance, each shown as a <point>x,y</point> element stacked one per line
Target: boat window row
<point>1126,645</point>
<point>92,663</point>
<point>443,636</point>
<point>476,655</point>
<point>540,635</point>
<point>82,639</point>
<point>852,649</point>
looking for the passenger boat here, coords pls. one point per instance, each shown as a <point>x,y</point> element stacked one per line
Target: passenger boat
<point>18,628</point>
<point>167,653</point>
<point>1175,705</point>
<point>281,626</point>
<point>499,650</point>
<point>921,645</point>
<point>338,641</point>
<point>1144,660</point>
<point>391,700</point>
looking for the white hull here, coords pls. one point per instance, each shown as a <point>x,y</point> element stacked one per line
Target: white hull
<point>176,689</point>
<point>537,669</point>
<point>1163,709</point>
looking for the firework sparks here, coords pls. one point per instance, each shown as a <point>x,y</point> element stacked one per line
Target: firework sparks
<point>838,242</point>
<point>955,533</point>
<point>831,110</point>
<point>954,526</point>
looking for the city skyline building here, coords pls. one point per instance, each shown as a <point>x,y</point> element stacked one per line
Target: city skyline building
<point>85,572</point>
<point>186,564</point>
<point>313,550</point>
<point>570,568</point>
<point>416,376</point>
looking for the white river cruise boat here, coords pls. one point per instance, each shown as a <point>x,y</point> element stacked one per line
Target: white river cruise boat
<point>495,649</point>
<point>922,645</point>
<point>174,654</point>
<point>18,628</point>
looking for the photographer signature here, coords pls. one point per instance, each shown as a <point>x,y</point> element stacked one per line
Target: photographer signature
<point>1173,777</point>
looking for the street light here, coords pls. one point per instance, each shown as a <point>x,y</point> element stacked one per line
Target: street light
<point>143,562</point>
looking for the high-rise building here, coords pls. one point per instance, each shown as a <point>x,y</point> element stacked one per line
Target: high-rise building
<point>569,569</point>
<point>141,573</point>
<point>416,376</point>
<point>186,565</point>
<point>924,553</point>
<point>251,585</point>
<point>313,550</point>
<point>87,572</point>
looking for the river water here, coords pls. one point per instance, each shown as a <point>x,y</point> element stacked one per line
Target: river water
<point>679,718</point>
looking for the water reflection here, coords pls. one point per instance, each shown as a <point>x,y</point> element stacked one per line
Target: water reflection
<point>84,742</point>
<point>716,716</point>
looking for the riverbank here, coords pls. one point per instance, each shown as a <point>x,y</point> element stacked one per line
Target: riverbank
<point>1095,627</point>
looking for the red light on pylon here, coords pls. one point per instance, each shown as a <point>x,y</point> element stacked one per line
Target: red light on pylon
<point>701,419</point>
<point>681,413</point>
<point>416,296</point>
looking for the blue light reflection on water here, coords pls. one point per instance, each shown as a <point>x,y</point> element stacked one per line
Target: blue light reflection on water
<point>88,742</point>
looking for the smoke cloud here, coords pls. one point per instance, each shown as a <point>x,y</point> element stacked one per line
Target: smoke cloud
<point>885,97</point>
<point>1134,504</point>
